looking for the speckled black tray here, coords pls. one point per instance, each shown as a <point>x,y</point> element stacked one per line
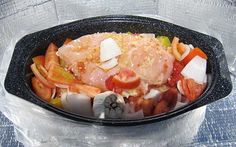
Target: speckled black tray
<point>18,77</point>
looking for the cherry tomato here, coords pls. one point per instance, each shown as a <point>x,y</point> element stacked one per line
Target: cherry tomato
<point>41,90</point>
<point>176,73</point>
<point>167,102</point>
<point>136,101</point>
<point>110,85</point>
<point>170,96</point>
<point>126,79</point>
<point>148,106</point>
<point>161,107</point>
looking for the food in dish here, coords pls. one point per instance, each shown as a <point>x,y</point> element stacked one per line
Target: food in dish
<point>120,75</point>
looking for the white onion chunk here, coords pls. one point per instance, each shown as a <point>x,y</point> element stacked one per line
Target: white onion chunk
<point>196,69</point>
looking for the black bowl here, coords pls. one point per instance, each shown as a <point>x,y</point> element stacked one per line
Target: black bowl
<point>18,77</point>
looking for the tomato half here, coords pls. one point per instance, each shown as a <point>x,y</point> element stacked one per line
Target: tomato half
<point>41,77</point>
<point>39,60</point>
<point>192,90</point>
<point>41,90</point>
<point>57,74</point>
<point>42,70</point>
<point>50,56</point>
<point>126,79</point>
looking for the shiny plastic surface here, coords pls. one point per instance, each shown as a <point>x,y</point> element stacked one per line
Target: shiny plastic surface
<point>34,126</point>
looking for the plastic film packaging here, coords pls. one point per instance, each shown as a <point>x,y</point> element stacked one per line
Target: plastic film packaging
<point>36,126</point>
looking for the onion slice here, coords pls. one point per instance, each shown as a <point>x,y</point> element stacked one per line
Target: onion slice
<point>109,49</point>
<point>179,87</point>
<point>53,93</point>
<point>109,64</point>
<point>186,52</point>
<point>191,46</point>
<point>40,77</point>
<point>153,93</point>
<point>148,35</point>
<point>179,104</point>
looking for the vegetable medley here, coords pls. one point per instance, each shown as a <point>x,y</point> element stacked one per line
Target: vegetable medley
<point>120,75</point>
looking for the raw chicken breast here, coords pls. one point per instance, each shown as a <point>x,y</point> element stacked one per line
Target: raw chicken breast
<point>142,54</point>
<point>147,58</point>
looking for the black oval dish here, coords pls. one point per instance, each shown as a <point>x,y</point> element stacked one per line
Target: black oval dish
<point>18,77</point>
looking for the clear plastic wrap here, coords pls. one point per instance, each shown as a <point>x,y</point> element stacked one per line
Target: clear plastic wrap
<point>36,126</point>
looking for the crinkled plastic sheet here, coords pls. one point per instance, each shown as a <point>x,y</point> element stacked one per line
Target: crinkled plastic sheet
<point>36,126</point>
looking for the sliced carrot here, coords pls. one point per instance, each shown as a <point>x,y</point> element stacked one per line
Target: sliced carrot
<point>39,60</point>
<point>67,41</point>
<point>57,74</point>
<point>40,77</point>
<point>181,48</point>
<point>192,54</point>
<point>41,90</point>
<point>174,45</point>
<point>85,89</point>
<point>50,56</point>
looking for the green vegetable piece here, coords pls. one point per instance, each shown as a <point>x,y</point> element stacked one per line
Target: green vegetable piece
<point>62,63</point>
<point>129,33</point>
<point>165,41</point>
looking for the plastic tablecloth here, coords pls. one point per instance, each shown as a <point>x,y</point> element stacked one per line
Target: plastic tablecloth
<point>213,125</point>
